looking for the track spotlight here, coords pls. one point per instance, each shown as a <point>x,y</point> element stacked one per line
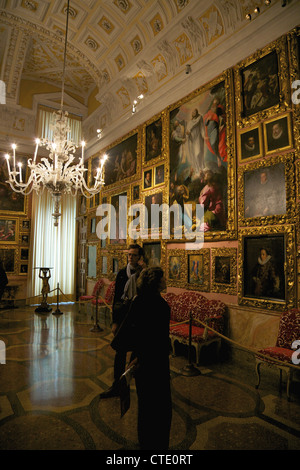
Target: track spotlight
<point>267,2</point>
<point>248,17</point>
<point>256,10</point>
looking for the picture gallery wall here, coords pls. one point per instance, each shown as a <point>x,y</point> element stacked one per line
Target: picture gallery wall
<point>231,145</point>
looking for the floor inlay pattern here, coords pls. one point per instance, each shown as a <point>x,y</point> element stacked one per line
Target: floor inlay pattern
<point>56,368</point>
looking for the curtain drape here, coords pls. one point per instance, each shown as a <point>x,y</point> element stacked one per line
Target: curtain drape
<point>45,117</point>
<point>53,247</point>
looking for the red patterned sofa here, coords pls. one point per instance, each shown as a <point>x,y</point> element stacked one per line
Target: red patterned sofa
<point>209,312</point>
<point>288,333</point>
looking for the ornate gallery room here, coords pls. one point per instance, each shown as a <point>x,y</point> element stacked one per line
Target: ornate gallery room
<point>173,126</point>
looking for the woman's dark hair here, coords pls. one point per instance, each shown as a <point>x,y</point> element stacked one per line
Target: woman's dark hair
<point>149,281</point>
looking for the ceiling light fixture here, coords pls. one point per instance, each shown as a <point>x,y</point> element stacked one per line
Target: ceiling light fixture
<point>136,102</point>
<point>58,173</point>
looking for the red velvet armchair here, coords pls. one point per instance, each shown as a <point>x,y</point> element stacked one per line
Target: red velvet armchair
<point>287,340</point>
<point>84,299</point>
<point>105,303</point>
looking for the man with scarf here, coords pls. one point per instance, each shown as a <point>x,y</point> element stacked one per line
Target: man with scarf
<point>124,292</point>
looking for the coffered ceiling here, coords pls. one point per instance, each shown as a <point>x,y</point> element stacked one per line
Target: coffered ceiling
<point>117,49</point>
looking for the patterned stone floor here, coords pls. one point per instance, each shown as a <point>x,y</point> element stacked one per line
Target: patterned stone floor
<point>56,368</point>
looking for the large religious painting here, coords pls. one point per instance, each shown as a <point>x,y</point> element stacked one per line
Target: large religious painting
<point>10,201</point>
<point>122,162</point>
<point>199,155</point>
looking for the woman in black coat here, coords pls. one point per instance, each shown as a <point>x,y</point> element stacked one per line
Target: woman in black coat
<point>151,318</point>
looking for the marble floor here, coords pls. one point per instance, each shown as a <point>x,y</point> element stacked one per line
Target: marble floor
<point>55,369</point>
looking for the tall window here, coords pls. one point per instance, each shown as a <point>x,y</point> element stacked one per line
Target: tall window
<point>45,116</point>
<point>53,247</point>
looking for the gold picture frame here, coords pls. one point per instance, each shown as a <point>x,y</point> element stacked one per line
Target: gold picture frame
<point>250,143</point>
<point>122,218</point>
<point>266,191</point>
<point>278,134</point>
<point>176,268</point>
<point>198,269</point>
<point>154,140</point>
<point>9,230</point>
<point>124,149</point>
<point>224,270</point>
<point>214,104</point>
<point>280,241</point>
<point>294,62</point>
<point>10,257</point>
<point>153,229</point>
<point>266,69</point>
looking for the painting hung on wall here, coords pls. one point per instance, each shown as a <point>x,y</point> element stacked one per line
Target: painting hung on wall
<point>8,230</point>
<point>153,140</point>
<point>11,201</point>
<point>265,191</point>
<point>150,221</point>
<point>264,261</point>
<point>278,134</point>
<point>198,156</point>
<point>198,269</point>
<point>250,143</point>
<point>117,229</point>
<point>92,260</point>
<point>153,253</point>
<point>260,84</point>
<point>159,175</point>
<point>122,161</point>
<point>8,258</point>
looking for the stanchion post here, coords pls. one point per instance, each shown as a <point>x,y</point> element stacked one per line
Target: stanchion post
<point>96,326</point>
<point>57,311</point>
<point>190,370</point>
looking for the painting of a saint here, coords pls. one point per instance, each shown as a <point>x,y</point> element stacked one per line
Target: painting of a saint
<point>198,156</point>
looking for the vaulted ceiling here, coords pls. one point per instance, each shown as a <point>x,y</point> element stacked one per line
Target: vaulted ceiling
<point>117,49</point>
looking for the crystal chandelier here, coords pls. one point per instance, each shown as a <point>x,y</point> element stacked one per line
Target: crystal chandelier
<point>57,173</point>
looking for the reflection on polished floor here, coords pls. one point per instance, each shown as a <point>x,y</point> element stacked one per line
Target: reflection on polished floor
<point>56,369</point>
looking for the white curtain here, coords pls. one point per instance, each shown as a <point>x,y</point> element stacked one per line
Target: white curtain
<point>45,117</point>
<point>53,247</point>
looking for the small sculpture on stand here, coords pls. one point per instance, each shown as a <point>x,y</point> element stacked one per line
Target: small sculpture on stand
<point>45,275</point>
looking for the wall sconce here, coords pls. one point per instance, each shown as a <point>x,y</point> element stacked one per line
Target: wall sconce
<point>99,132</point>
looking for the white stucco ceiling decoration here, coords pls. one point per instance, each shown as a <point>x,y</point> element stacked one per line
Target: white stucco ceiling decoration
<point>113,41</point>
<point>118,48</point>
